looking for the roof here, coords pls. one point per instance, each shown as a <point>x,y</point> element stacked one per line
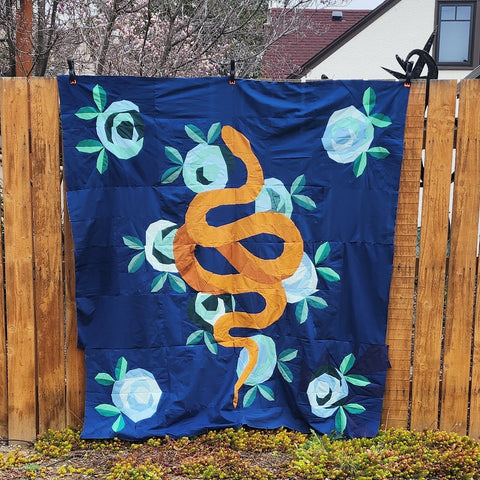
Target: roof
<point>317,30</point>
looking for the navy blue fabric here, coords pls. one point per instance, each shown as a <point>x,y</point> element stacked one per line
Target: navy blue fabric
<point>137,151</point>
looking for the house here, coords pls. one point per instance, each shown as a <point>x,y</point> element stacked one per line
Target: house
<point>398,27</point>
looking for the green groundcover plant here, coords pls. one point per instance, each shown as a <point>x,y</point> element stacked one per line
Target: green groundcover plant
<point>248,454</point>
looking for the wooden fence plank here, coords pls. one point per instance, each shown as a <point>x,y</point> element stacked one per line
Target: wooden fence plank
<point>22,408</point>
<point>400,312</point>
<point>462,263</point>
<point>433,249</point>
<point>47,225</point>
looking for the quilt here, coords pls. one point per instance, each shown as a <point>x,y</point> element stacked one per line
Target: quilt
<point>233,251</point>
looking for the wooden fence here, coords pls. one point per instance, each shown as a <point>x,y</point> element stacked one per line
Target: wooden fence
<point>433,329</point>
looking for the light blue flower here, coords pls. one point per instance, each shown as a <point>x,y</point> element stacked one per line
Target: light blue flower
<point>266,362</point>
<point>137,394</point>
<point>303,282</point>
<point>349,133</point>
<point>120,129</point>
<point>274,197</point>
<point>159,245</point>
<point>326,390</point>
<point>205,168</point>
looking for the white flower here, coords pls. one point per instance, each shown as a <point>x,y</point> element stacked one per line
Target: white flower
<point>137,394</point>
<point>266,362</point>
<point>159,245</point>
<point>349,133</point>
<point>325,390</point>
<point>303,282</point>
<point>274,197</point>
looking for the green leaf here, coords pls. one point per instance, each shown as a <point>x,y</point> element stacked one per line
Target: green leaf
<point>380,120</point>
<point>177,283</point>
<point>133,242</point>
<point>266,392</point>
<point>317,302</point>
<point>136,262</point>
<point>87,113</point>
<point>104,379</point>
<point>102,161</point>
<point>210,342</point>
<point>358,380</point>
<point>354,408</point>
<point>195,338</point>
<point>214,132</point>
<point>378,152</point>
<point>347,363</point>
<point>288,355</point>
<point>369,100</point>
<point>249,397</point>
<point>107,410</point>
<point>99,97</point>
<point>195,133</point>
<point>301,311</point>
<point>328,274</point>
<point>340,420</point>
<point>89,146</point>
<point>285,372</point>
<point>359,164</point>
<point>323,251</point>
<point>119,424</point>
<point>171,174</point>
<point>298,184</point>
<point>121,368</point>
<point>158,282</point>
<point>174,155</point>
<point>304,201</point>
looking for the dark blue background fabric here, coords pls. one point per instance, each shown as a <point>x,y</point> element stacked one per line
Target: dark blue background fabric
<point>330,152</point>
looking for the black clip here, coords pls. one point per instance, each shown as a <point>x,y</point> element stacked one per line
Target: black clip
<point>71,72</point>
<point>232,72</point>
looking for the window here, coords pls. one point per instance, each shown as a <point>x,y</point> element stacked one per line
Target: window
<point>455,33</point>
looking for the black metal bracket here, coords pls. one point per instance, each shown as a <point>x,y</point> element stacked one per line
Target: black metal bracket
<point>71,72</point>
<point>232,72</point>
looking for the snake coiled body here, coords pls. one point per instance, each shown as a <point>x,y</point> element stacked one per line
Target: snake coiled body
<point>263,276</point>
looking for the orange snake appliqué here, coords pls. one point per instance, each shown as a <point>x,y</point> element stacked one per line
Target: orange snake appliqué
<point>263,276</point>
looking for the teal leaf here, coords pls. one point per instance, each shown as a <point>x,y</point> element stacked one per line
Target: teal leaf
<point>298,184</point>
<point>359,164</point>
<point>89,146</point>
<point>171,174</point>
<point>133,242</point>
<point>378,152</point>
<point>174,155</point>
<point>288,355</point>
<point>158,282</point>
<point>285,372</point>
<point>369,100</point>
<point>119,424</point>
<point>99,97</point>
<point>354,408</point>
<point>358,380</point>
<point>121,368</point>
<point>177,283</point>
<point>347,363</point>
<point>104,379</point>
<point>328,274</point>
<point>380,120</point>
<point>249,397</point>
<point>107,410</point>
<point>87,113</point>
<point>136,262</point>
<point>340,420</point>
<point>304,201</point>
<point>323,251</point>
<point>316,302</point>
<point>301,311</point>
<point>210,342</point>
<point>195,338</point>
<point>102,161</point>
<point>195,133</point>
<point>214,132</point>
<point>266,392</point>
